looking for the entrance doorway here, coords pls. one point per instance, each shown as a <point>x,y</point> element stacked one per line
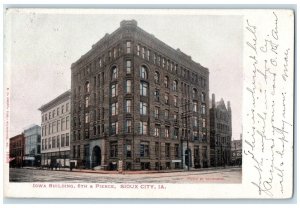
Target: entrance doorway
<point>96,156</point>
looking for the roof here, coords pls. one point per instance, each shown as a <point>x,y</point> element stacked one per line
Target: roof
<point>56,100</point>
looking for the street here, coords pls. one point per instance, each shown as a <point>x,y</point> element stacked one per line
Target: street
<point>228,175</point>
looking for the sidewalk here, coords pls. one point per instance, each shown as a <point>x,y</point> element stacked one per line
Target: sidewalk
<point>134,172</point>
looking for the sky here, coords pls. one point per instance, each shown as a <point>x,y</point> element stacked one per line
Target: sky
<point>41,46</point>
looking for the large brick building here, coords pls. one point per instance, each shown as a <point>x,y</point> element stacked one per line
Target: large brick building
<point>17,150</point>
<point>139,104</point>
<point>220,133</point>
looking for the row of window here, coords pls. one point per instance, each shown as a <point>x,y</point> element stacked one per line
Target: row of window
<point>144,151</point>
<point>56,126</point>
<point>169,65</point>
<point>56,142</point>
<point>56,112</point>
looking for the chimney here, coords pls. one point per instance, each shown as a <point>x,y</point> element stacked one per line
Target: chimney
<point>213,102</point>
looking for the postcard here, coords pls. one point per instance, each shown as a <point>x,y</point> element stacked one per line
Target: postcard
<point>139,103</point>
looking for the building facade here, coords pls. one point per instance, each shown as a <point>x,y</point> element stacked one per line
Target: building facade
<point>220,133</point>
<point>56,131</point>
<point>17,150</point>
<point>32,146</point>
<point>236,152</point>
<point>138,104</point>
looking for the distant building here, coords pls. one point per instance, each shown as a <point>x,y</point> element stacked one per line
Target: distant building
<point>16,150</point>
<point>236,151</point>
<point>32,146</point>
<point>56,131</point>
<point>138,104</point>
<point>220,133</point>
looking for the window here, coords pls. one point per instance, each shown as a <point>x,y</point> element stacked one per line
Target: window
<point>87,118</point>
<point>53,142</point>
<point>128,47</point>
<point>67,107</point>
<point>167,148</point>
<point>114,109</point>
<point>167,112</point>
<point>62,140</point>
<point>57,112</point>
<point>194,95</point>
<point>63,124</point>
<point>144,149</point>
<point>114,128</point>
<point>58,141</point>
<point>154,58</point>
<point>202,97</point>
<point>143,108</point>
<point>128,86</point>
<point>143,128</point>
<point>156,95</point>
<point>143,52</point>
<point>128,148</point>
<point>175,85</point>
<point>168,64</point>
<point>49,115</point>
<point>148,55</point>
<point>128,67</point>
<point>100,62</point>
<point>128,106</point>
<point>143,72</point>
<point>167,98</point>
<point>87,100</point>
<point>163,62</point>
<point>53,113</point>
<point>195,106</point>
<point>138,50</point>
<point>175,116</point>
<point>203,123</point>
<point>156,112</point>
<point>195,121</point>
<point>114,90</point>
<point>114,149</point>
<point>175,101</point>
<point>203,109</point>
<point>176,133</point>
<point>195,135</point>
<point>67,122</point>
<point>156,77</point>
<point>114,73</point>
<point>166,81</point>
<point>143,88</point>
<point>158,60</point>
<point>87,87</point>
<point>53,127</point>
<point>157,130</point>
<point>128,126</point>
<point>167,131</point>
<point>115,53</point>
<point>58,126</point>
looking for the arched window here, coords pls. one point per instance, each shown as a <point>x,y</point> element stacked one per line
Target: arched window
<point>175,85</point>
<point>156,77</point>
<point>143,72</point>
<point>87,87</point>
<point>114,73</point>
<point>166,81</point>
<point>194,93</point>
<point>203,97</point>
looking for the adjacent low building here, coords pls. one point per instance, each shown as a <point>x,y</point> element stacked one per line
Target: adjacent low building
<point>17,150</point>
<point>236,152</point>
<point>220,133</point>
<point>56,131</point>
<point>32,156</point>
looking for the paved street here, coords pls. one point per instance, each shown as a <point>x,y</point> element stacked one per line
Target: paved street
<point>228,175</point>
